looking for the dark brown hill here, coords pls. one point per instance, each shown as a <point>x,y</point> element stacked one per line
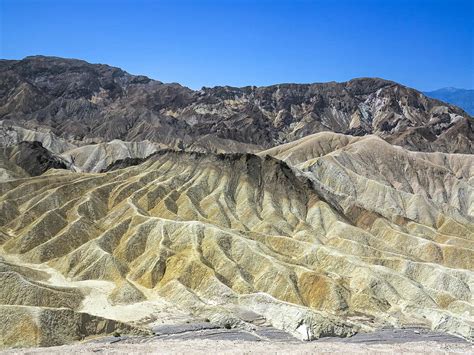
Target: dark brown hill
<point>94,102</point>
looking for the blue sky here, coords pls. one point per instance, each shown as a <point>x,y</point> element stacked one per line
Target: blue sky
<point>426,44</point>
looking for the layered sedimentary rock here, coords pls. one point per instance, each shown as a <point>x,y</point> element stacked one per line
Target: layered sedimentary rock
<point>23,326</point>
<point>27,159</point>
<point>94,103</point>
<point>320,209</point>
<point>11,134</point>
<point>350,233</point>
<point>95,157</point>
<point>36,313</point>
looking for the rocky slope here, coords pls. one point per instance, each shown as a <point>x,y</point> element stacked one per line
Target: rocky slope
<point>97,103</point>
<point>352,235</point>
<point>34,313</point>
<point>319,209</point>
<point>80,156</point>
<point>32,157</point>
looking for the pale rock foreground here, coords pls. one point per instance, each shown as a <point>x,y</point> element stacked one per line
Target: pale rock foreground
<point>350,234</point>
<point>206,346</point>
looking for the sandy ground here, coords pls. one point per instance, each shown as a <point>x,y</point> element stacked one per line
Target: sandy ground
<point>247,347</point>
<point>201,338</point>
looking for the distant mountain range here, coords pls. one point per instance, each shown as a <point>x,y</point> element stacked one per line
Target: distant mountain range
<point>93,103</point>
<point>462,98</point>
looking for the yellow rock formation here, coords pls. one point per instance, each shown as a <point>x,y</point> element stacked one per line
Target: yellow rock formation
<point>327,235</point>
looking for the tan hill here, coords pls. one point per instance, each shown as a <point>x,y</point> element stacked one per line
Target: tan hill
<point>12,135</point>
<point>350,234</point>
<point>94,157</point>
<point>93,103</point>
<point>34,313</point>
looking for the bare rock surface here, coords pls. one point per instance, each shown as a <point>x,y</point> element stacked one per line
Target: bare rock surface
<point>350,235</point>
<point>415,341</point>
<point>93,103</point>
<point>231,219</point>
<point>33,158</point>
<point>23,326</point>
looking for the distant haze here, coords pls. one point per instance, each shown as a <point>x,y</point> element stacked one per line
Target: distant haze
<point>462,98</point>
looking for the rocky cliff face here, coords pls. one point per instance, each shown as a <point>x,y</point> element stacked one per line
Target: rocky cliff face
<point>98,103</point>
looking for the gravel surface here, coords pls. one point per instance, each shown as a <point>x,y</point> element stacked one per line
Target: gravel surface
<point>206,338</point>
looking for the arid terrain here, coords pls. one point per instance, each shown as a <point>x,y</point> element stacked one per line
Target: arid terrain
<point>400,341</point>
<point>142,216</point>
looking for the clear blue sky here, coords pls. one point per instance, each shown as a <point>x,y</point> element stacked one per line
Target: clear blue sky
<point>426,44</point>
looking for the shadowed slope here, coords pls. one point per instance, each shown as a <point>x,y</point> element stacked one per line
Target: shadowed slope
<point>28,159</point>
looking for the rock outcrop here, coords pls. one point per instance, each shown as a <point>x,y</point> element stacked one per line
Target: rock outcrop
<point>96,103</point>
<point>349,234</point>
<point>36,313</point>
<point>24,326</point>
<point>30,158</point>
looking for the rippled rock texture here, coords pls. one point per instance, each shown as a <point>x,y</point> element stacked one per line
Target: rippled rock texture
<point>320,210</point>
<point>348,234</point>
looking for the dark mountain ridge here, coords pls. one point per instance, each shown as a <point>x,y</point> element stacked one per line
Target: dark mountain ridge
<point>95,103</point>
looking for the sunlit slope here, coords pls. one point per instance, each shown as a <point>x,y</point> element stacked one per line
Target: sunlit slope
<point>35,313</point>
<point>369,171</point>
<point>322,247</point>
